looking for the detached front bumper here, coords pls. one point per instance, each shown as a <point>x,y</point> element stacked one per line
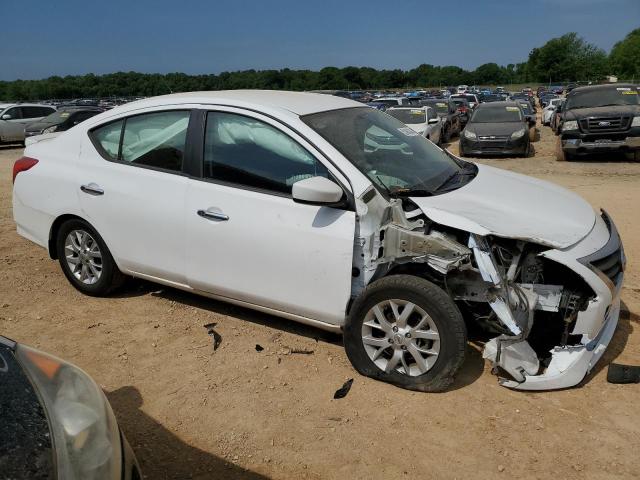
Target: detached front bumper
<point>600,260</point>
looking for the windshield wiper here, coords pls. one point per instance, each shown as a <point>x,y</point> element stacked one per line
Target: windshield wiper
<point>454,175</point>
<point>408,192</point>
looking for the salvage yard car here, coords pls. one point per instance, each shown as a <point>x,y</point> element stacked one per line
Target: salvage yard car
<point>61,120</point>
<point>498,128</point>
<point>15,116</point>
<point>448,112</point>
<point>423,120</point>
<point>57,421</point>
<point>327,212</point>
<point>600,118</point>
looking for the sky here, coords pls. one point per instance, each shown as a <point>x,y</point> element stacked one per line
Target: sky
<point>40,38</point>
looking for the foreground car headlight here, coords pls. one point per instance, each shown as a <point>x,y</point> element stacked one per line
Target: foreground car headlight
<point>469,134</point>
<point>570,125</point>
<point>85,434</point>
<point>517,134</point>
<point>50,129</point>
<point>635,122</point>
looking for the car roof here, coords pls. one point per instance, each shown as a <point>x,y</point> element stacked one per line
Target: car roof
<point>605,86</point>
<point>499,104</point>
<point>299,103</point>
<point>80,108</point>
<point>5,105</point>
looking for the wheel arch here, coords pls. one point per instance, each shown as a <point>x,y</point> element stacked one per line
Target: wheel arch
<point>55,227</point>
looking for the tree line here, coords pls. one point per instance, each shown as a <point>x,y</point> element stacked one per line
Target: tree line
<point>562,59</point>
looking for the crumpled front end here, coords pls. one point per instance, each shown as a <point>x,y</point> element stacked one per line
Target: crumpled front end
<point>559,308</point>
<point>549,309</point>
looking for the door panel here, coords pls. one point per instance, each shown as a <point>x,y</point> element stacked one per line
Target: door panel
<point>271,251</point>
<point>134,195</point>
<point>246,237</point>
<point>13,129</point>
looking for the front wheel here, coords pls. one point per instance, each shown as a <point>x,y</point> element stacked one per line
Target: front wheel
<point>86,260</point>
<point>408,332</point>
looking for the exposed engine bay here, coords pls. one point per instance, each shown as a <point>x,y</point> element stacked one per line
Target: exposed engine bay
<point>528,304</point>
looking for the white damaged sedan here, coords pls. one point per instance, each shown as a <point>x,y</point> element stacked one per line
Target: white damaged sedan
<point>327,212</point>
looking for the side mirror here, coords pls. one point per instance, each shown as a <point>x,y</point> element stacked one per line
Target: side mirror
<point>6,116</point>
<point>433,121</point>
<point>316,191</point>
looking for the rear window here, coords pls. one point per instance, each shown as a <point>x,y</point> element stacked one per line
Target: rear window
<point>408,115</point>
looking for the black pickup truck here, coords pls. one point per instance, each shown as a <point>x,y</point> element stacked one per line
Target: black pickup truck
<point>600,118</point>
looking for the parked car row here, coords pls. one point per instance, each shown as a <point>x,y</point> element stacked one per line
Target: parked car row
<point>21,121</point>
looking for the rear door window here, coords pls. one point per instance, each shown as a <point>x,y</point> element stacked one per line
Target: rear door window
<point>155,139</point>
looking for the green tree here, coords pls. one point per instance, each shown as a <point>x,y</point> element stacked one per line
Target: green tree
<point>625,56</point>
<point>566,58</point>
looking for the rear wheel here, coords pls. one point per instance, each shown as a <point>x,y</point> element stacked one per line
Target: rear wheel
<point>408,332</point>
<point>86,260</point>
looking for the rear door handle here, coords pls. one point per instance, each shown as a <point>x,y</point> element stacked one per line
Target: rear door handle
<point>213,215</point>
<point>92,189</point>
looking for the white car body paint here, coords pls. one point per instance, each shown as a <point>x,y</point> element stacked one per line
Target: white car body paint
<point>549,110</point>
<point>290,259</point>
<point>495,202</point>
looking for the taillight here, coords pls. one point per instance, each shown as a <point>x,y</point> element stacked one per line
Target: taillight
<point>22,165</point>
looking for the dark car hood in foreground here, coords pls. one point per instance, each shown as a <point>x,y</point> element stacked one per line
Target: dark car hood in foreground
<point>610,111</point>
<point>496,129</point>
<point>25,438</point>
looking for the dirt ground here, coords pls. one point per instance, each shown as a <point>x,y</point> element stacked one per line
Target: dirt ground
<point>192,412</point>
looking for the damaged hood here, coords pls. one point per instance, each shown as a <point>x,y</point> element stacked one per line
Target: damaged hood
<point>506,204</point>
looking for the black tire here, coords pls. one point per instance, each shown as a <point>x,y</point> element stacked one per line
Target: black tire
<point>447,134</point>
<point>110,277</point>
<point>443,312</point>
<point>561,155</point>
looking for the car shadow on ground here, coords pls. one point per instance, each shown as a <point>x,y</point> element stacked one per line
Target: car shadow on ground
<point>136,287</point>
<point>605,157</point>
<point>470,371</point>
<point>161,454</point>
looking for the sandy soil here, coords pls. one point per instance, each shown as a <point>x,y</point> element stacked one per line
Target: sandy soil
<point>192,412</point>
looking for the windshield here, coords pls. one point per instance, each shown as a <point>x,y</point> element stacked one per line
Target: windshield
<point>526,108</point>
<point>441,107</point>
<point>603,97</point>
<point>390,154</point>
<point>388,102</point>
<point>409,116</point>
<point>56,117</point>
<point>497,114</point>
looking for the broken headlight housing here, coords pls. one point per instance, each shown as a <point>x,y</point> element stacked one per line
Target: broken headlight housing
<point>85,434</point>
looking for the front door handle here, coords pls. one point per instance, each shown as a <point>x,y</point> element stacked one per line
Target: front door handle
<point>213,215</point>
<point>92,189</point>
